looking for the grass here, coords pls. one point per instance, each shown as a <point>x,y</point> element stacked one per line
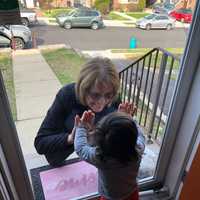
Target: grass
<point>52,20</point>
<point>137,15</point>
<point>55,12</point>
<point>129,23</point>
<point>136,50</point>
<point>65,63</point>
<point>114,16</point>
<point>7,72</point>
<point>145,50</point>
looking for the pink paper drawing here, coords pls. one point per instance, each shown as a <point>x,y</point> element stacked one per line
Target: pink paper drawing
<point>69,182</point>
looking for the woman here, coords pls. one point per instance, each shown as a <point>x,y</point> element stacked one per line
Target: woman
<point>96,89</point>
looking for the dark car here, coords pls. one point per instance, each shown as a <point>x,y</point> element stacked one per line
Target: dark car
<point>183,15</point>
<point>163,8</point>
<point>80,17</point>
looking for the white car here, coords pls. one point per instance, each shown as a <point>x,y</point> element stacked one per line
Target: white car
<point>20,33</point>
<point>156,21</point>
<point>28,17</point>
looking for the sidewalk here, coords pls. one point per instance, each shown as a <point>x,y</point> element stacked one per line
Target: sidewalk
<point>35,87</point>
<point>112,23</point>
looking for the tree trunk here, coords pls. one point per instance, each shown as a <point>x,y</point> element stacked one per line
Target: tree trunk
<point>110,5</point>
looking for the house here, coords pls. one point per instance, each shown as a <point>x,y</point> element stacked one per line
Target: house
<point>71,3</point>
<point>89,3</point>
<point>129,5</point>
<point>29,3</point>
<point>62,3</point>
<point>56,3</point>
<point>186,4</point>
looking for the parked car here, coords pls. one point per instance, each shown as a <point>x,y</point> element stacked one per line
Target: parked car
<point>163,8</point>
<point>183,15</point>
<point>28,17</point>
<point>21,35</point>
<point>156,21</point>
<point>80,17</point>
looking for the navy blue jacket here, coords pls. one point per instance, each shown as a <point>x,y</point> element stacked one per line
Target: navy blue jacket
<point>59,122</point>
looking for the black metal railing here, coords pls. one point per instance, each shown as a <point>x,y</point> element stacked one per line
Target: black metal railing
<point>149,84</point>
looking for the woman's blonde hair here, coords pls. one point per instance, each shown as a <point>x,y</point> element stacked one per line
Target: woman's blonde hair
<point>97,70</point>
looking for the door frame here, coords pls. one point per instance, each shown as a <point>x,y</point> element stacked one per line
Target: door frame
<point>17,183</point>
<point>13,153</point>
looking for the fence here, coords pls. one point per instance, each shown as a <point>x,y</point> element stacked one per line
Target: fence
<point>149,84</point>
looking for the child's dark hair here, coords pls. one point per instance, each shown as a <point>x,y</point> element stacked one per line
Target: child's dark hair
<point>116,137</point>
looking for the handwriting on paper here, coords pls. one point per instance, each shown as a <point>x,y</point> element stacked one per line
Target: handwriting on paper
<point>69,182</point>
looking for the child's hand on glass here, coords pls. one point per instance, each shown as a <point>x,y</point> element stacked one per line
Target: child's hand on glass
<point>127,108</point>
<point>86,121</point>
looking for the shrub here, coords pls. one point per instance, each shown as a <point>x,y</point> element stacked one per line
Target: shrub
<point>55,12</point>
<point>102,5</point>
<point>141,5</point>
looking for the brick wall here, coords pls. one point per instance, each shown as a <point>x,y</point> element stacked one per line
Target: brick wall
<point>124,6</point>
<point>186,3</point>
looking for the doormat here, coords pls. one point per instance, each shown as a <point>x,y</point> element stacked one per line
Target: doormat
<point>74,180</point>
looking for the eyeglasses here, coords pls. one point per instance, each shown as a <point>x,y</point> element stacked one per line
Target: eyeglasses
<point>96,96</point>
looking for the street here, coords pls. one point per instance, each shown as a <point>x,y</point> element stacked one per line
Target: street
<point>109,37</point>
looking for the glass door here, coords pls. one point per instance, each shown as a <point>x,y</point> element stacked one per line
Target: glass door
<point>154,82</point>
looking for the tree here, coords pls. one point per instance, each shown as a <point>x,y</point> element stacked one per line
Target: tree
<point>141,5</point>
<point>103,6</point>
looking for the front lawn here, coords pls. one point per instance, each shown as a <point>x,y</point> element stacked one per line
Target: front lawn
<point>145,50</point>
<point>7,72</point>
<point>52,20</point>
<point>129,23</point>
<point>55,12</point>
<point>137,15</point>
<point>136,50</point>
<point>65,63</point>
<point>114,16</point>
